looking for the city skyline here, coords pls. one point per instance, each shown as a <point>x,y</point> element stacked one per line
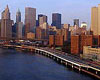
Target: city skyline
<point>66,32</point>
<point>66,8</point>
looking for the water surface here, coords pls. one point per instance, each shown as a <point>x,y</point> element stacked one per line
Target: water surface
<point>17,65</point>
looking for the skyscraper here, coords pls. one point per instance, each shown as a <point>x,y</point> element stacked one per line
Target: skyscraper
<point>42,19</point>
<point>18,16</point>
<point>76,22</point>
<point>19,25</point>
<point>56,20</point>
<point>6,13</point>
<point>99,19</point>
<point>95,20</point>
<point>6,24</point>
<point>30,19</point>
<point>19,30</point>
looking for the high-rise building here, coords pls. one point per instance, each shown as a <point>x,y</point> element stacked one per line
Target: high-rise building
<point>59,40</point>
<point>95,20</point>
<point>6,24</point>
<point>79,41</point>
<point>42,19</point>
<point>56,20</point>
<point>14,30</point>
<point>6,13</point>
<point>98,19</point>
<point>19,29</point>
<point>56,40</point>
<point>85,40</point>
<point>65,26</point>
<point>6,28</point>
<point>41,33</point>
<point>44,26</point>
<point>66,34</point>
<point>18,16</point>
<point>30,19</point>
<point>19,25</point>
<point>51,40</point>
<point>75,44</point>
<point>37,23</point>
<point>76,22</point>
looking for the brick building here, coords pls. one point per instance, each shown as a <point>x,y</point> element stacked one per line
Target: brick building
<point>56,40</point>
<point>85,40</point>
<point>59,39</point>
<point>79,41</point>
<point>75,44</point>
<point>51,40</point>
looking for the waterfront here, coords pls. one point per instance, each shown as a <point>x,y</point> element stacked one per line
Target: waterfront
<point>16,65</point>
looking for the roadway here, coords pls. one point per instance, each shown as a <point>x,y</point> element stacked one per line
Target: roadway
<point>71,57</point>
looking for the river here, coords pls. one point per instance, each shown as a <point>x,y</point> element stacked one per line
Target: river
<point>17,65</point>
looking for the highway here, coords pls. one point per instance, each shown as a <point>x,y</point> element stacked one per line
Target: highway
<point>71,57</point>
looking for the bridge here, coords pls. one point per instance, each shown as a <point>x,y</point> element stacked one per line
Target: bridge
<point>68,61</point>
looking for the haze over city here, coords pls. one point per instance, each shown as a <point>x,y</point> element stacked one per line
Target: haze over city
<point>69,9</point>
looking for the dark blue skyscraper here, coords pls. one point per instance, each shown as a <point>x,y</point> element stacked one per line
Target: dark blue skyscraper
<point>56,20</point>
<point>76,22</point>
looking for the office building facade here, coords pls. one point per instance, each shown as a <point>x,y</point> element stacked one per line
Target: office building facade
<point>76,22</point>
<point>56,20</point>
<point>30,19</point>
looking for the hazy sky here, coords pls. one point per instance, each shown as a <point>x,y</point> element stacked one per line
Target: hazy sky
<point>69,9</point>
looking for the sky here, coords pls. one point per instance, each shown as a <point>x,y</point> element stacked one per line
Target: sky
<point>70,9</point>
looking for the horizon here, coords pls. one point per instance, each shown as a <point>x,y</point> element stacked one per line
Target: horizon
<point>63,7</point>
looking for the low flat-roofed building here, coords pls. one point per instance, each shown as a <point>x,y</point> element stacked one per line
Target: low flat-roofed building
<point>30,35</point>
<point>91,53</point>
